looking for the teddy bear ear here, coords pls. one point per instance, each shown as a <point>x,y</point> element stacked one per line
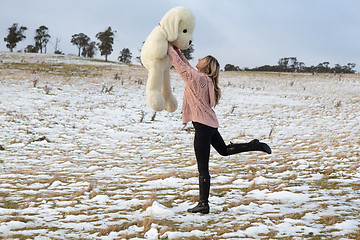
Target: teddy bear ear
<point>170,24</point>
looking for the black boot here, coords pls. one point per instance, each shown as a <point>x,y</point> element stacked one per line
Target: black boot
<point>253,145</point>
<point>204,188</point>
<point>201,207</point>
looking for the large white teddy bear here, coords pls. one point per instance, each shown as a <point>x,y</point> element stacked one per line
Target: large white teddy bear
<point>176,28</point>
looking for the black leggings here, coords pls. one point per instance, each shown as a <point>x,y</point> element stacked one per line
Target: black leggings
<point>204,137</point>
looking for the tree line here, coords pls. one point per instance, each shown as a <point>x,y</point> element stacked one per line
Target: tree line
<point>86,47</point>
<point>291,64</point>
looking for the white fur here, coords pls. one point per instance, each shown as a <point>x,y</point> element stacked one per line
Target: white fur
<point>154,55</point>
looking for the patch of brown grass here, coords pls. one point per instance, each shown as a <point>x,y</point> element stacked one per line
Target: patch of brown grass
<point>329,170</point>
<point>290,177</point>
<point>329,220</point>
<point>283,169</point>
<point>235,177</point>
<point>251,187</point>
<point>117,228</point>
<point>354,235</point>
<point>174,173</point>
<point>244,201</point>
<point>9,204</point>
<point>147,223</point>
<point>149,201</point>
<point>93,194</point>
<point>296,215</point>
<point>55,178</point>
<point>186,197</point>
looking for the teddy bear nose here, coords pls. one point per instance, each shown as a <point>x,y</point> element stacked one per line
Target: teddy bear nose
<point>190,42</point>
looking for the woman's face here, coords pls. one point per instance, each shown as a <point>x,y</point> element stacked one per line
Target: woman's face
<point>201,64</point>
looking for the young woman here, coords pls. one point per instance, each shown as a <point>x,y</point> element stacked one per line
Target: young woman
<point>201,94</point>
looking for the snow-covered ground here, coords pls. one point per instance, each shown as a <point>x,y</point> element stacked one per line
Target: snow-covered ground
<point>82,156</point>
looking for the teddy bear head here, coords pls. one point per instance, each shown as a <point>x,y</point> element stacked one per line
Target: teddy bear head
<point>178,25</point>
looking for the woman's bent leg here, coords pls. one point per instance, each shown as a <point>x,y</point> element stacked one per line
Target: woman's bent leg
<point>218,143</point>
<point>253,145</point>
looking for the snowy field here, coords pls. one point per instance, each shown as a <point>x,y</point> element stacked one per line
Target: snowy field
<point>83,156</point>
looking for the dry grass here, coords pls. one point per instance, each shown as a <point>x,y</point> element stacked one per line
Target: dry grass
<point>174,173</point>
<point>149,202</point>
<point>283,169</point>
<point>56,177</point>
<point>117,228</point>
<point>9,204</point>
<point>185,197</point>
<point>244,201</point>
<point>147,223</point>
<point>251,187</point>
<point>355,235</point>
<point>329,220</point>
<point>312,161</point>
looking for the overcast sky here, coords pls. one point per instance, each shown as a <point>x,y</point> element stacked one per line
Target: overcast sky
<point>245,33</point>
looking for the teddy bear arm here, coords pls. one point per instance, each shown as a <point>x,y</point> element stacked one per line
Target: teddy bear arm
<point>153,88</point>
<point>159,46</point>
<point>170,100</point>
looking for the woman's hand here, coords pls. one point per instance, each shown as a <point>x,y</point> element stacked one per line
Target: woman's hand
<point>177,50</point>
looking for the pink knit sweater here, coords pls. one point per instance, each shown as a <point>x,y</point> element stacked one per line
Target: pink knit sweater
<point>199,93</point>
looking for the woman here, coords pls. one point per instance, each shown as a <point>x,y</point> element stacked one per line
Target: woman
<point>201,94</point>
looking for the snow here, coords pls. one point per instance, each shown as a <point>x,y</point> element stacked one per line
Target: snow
<point>193,233</point>
<point>152,234</point>
<point>256,230</point>
<point>79,162</point>
<point>55,184</point>
<point>347,226</point>
<point>159,211</point>
<point>291,227</point>
<point>101,199</point>
<point>282,196</point>
<point>171,182</point>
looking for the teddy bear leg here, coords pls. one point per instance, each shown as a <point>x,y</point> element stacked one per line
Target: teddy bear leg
<point>170,100</point>
<point>153,90</point>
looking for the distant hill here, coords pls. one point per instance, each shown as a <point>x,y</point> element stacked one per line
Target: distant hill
<point>14,57</point>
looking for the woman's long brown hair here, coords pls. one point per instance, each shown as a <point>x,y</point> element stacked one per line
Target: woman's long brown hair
<point>212,69</point>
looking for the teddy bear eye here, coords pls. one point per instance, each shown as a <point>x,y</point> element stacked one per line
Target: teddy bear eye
<point>185,31</point>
